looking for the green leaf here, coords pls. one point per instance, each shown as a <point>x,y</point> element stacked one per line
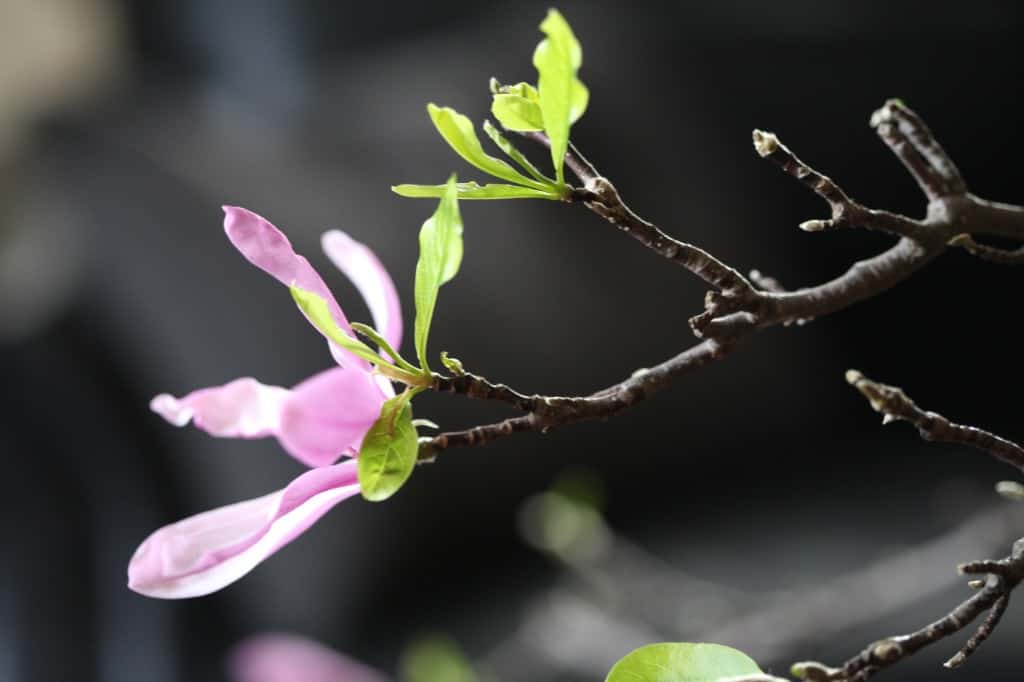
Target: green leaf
<point>382,343</point>
<point>440,257</point>
<point>517,113</point>
<point>388,454</point>
<point>563,97</point>
<point>682,662</point>
<point>524,90</point>
<point>471,190</point>
<point>458,132</point>
<point>315,308</point>
<point>516,155</point>
<point>453,365</point>
<point>435,658</point>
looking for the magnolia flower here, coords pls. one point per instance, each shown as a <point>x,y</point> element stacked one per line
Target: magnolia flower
<point>327,414</point>
<point>317,421</point>
<point>288,658</point>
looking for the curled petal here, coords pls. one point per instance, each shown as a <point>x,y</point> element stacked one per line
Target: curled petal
<point>328,414</point>
<point>209,551</point>
<point>267,248</point>
<point>243,408</point>
<point>361,266</point>
<point>288,658</point>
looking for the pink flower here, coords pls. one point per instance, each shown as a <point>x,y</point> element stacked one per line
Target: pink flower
<point>288,658</point>
<point>326,415</point>
<point>317,421</point>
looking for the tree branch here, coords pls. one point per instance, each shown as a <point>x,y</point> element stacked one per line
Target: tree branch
<point>989,253</point>
<point>1003,576</point>
<point>894,405</point>
<point>546,412</point>
<point>736,307</point>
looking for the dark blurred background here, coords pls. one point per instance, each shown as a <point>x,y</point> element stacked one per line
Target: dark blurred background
<point>125,124</point>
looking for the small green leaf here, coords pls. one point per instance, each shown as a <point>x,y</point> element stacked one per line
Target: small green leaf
<point>471,190</point>
<point>453,365</point>
<point>563,97</point>
<point>511,152</point>
<point>524,90</point>
<point>382,343</point>
<point>440,257</point>
<point>435,658</point>
<point>388,454</point>
<point>315,308</point>
<point>682,662</point>
<point>517,113</point>
<point>458,132</point>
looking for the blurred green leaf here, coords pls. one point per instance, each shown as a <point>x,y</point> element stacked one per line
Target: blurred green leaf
<point>435,658</point>
<point>511,152</point>
<point>471,190</point>
<point>458,132</point>
<point>440,257</point>
<point>682,662</point>
<point>563,97</point>
<point>388,454</point>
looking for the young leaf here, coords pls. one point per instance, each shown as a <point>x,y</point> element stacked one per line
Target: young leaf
<point>517,113</point>
<point>315,308</point>
<point>563,98</point>
<point>440,257</point>
<point>388,453</point>
<point>682,662</point>
<point>375,336</point>
<point>511,152</point>
<point>471,190</point>
<point>453,365</point>
<point>458,132</point>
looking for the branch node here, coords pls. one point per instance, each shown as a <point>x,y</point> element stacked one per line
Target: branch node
<point>886,651</point>
<point>817,225</point>
<point>813,671</point>
<point>765,143</point>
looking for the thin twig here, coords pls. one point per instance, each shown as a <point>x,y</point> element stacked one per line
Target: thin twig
<point>882,654</point>
<point>913,143</point>
<point>894,404</point>
<point>989,253</point>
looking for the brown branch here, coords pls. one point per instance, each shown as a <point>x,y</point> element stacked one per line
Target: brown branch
<point>1003,576</point>
<point>913,144</point>
<point>989,253</point>
<point>894,405</point>
<point>546,412</point>
<point>738,307</point>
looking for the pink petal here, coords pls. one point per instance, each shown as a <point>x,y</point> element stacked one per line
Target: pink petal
<point>288,658</point>
<point>328,414</point>
<point>243,408</point>
<point>267,248</point>
<point>371,279</point>
<point>209,551</point>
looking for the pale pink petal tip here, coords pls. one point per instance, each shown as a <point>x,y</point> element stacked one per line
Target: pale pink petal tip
<point>268,248</point>
<point>207,552</point>
<point>370,277</point>
<point>243,408</point>
<point>289,658</point>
